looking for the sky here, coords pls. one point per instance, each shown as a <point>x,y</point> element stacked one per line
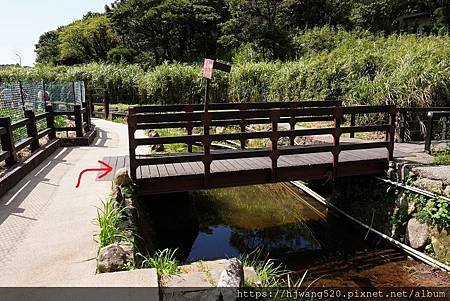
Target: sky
<point>23,21</point>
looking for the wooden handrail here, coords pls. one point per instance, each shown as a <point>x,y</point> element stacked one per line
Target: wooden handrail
<point>232,106</point>
<point>9,147</point>
<point>150,118</point>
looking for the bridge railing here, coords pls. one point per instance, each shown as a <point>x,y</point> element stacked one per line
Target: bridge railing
<point>432,116</point>
<point>241,115</point>
<point>414,123</point>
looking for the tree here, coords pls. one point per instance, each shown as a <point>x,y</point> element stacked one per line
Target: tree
<point>47,48</point>
<point>86,40</point>
<point>160,30</point>
<point>261,23</point>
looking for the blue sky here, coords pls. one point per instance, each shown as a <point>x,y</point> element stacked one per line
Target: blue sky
<point>23,21</point>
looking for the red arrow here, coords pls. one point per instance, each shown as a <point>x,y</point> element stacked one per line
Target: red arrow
<point>107,169</point>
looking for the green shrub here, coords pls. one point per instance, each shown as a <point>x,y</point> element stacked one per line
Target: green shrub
<point>354,66</point>
<point>61,122</point>
<point>433,211</point>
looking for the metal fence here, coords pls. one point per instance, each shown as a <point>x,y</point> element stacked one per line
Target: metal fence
<point>17,97</point>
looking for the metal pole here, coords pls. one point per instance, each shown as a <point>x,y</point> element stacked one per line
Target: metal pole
<point>429,135</point>
<point>22,96</point>
<point>207,94</point>
<point>74,95</point>
<point>44,95</point>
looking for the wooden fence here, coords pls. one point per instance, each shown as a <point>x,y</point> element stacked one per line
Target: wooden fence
<point>10,148</point>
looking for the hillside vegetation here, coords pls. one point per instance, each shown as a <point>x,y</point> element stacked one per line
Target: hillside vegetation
<point>355,66</point>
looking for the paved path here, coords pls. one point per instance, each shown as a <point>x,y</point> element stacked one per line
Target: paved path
<point>47,225</point>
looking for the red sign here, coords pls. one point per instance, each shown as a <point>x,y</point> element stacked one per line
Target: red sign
<point>208,68</point>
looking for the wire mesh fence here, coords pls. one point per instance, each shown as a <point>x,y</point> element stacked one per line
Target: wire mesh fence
<point>17,97</point>
<point>11,104</point>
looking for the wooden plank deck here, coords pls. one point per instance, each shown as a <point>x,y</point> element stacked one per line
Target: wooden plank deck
<point>188,176</point>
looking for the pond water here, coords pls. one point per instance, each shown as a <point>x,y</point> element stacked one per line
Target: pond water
<point>285,224</point>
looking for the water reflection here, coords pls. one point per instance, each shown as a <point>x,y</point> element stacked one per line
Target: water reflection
<point>228,222</point>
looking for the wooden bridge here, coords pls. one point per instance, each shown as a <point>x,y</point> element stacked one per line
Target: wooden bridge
<point>209,167</point>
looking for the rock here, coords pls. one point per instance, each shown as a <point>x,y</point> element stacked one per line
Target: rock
<point>122,178</point>
<point>111,258</point>
<point>220,130</point>
<point>251,277</point>
<point>156,147</point>
<point>411,207</point>
<point>428,184</point>
<point>232,275</point>
<point>441,244</point>
<point>417,234</point>
<point>128,248</point>
<point>130,212</point>
<point>118,196</point>
<point>447,191</point>
<point>402,201</point>
<point>441,173</point>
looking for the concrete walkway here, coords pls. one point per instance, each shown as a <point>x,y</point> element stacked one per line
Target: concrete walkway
<point>47,226</point>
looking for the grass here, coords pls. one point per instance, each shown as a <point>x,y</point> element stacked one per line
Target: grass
<point>442,157</point>
<point>163,261</point>
<point>173,147</point>
<point>121,107</point>
<point>61,122</point>
<point>108,220</point>
<point>119,120</point>
<point>269,272</point>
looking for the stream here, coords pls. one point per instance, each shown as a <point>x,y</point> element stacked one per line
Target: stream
<point>287,225</point>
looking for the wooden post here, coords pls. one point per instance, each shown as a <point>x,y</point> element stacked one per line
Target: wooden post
<point>91,102</point>
<point>207,140</point>
<point>391,134</point>
<point>32,130</point>
<point>50,121</point>
<point>131,142</point>
<point>7,141</point>
<point>86,117</point>
<point>429,136</point>
<point>352,123</point>
<point>189,127</point>
<point>274,137</point>
<point>403,125</point>
<point>336,139</point>
<point>78,120</point>
<point>243,126</point>
<point>106,104</point>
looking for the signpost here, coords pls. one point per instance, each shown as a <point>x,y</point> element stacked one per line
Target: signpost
<point>208,69</point>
